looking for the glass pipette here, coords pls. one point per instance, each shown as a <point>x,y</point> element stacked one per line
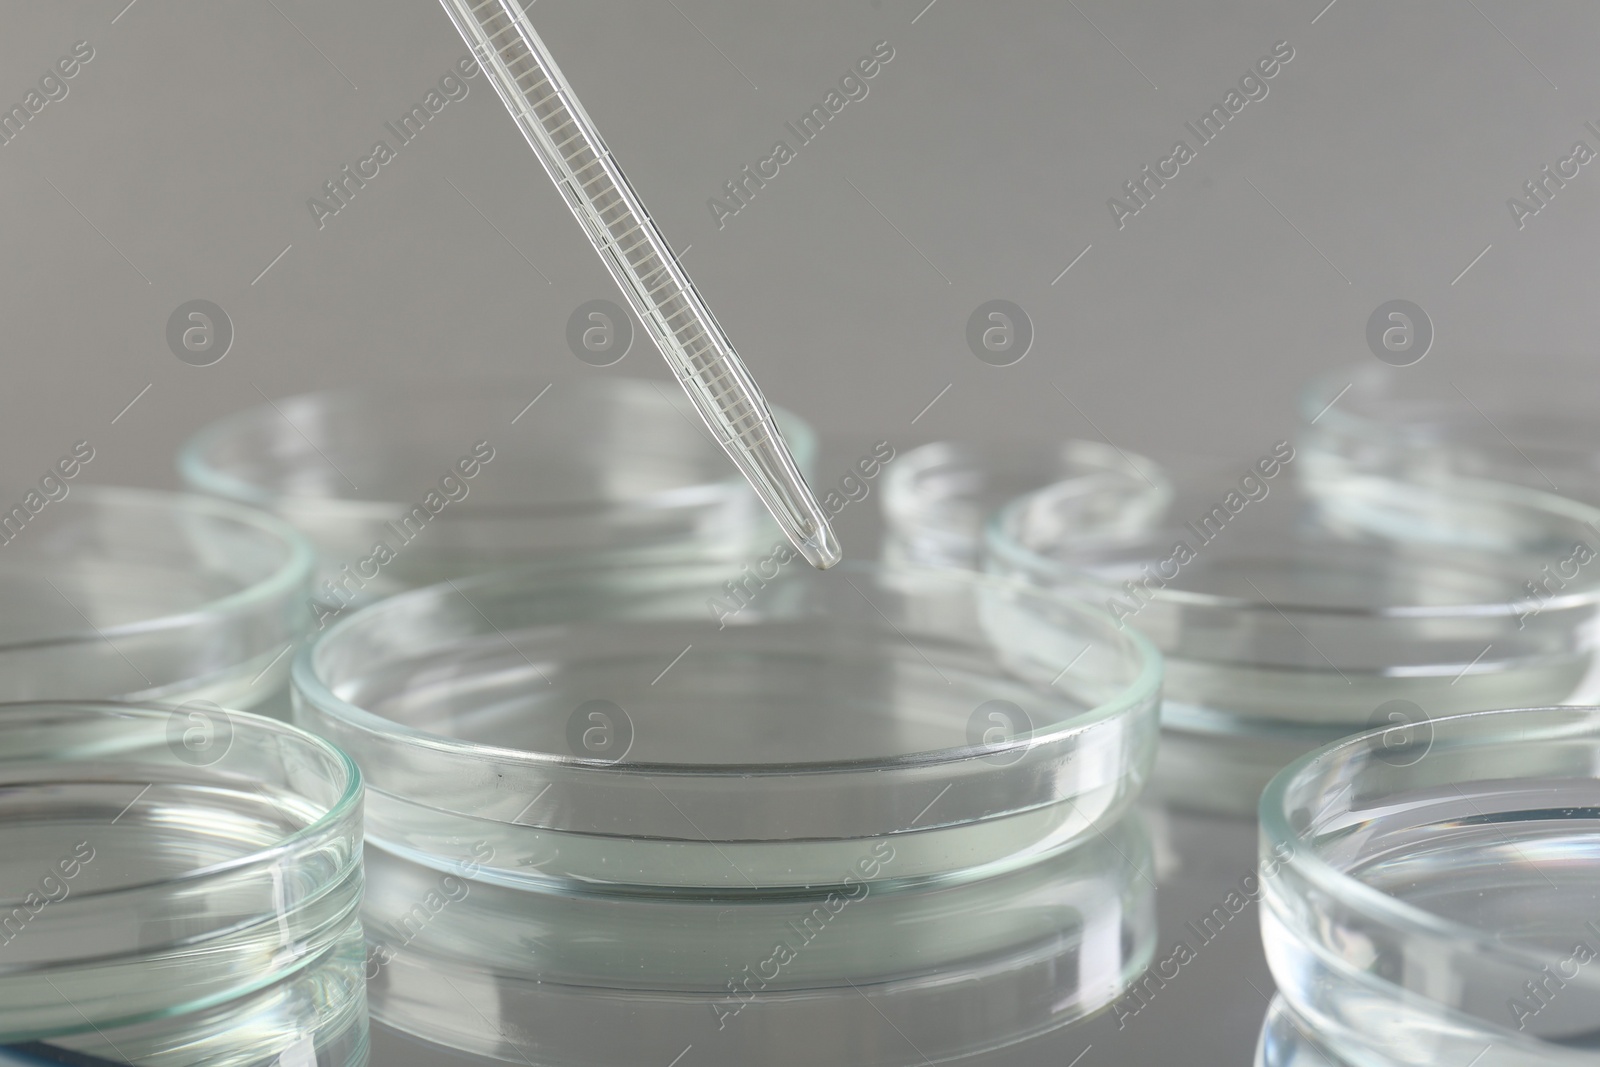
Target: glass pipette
<point>660,292</point>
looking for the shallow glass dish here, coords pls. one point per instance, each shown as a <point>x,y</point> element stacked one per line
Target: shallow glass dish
<point>178,888</point>
<point>408,484</point>
<point>864,975</point>
<point>1290,616</point>
<point>1434,893</point>
<point>151,596</point>
<point>1528,420</point>
<point>610,724</point>
<point>936,498</point>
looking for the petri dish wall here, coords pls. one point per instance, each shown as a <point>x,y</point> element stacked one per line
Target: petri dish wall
<point>1528,420</point>
<point>151,596</point>
<point>936,498</point>
<point>177,891</point>
<point>1290,616</point>
<point>609,724</point>
<point>405,485</point>
<point>1435,894</point>
<point>865,975</point>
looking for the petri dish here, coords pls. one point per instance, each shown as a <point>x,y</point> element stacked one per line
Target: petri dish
<point>1527,420</point>
<point>1291,614</point>
<point>868,975</point>
<point>177,889</point>
<point>936,498</point>
<point>152,596</point>
<point>606,724</point>
<point>401,486</point>
<point>1434,893</point>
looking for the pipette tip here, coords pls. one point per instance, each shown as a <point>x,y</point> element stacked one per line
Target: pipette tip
<point>821,549</point>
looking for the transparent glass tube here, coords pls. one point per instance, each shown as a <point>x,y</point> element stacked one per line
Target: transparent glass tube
<point>638,256</point>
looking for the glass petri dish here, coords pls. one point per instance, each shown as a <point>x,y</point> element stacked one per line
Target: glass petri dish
<point>869,976</point>
<point>151,596</point>
<point>1528,420</point>
<point>1291,615</point>
<point>610,724</point>
<point>405,485</point>
<point>1435,892</point>
<point>936,498</point>
<point>178,889</point>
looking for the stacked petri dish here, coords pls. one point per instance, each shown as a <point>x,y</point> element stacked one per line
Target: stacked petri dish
<point>1432,895</point>
<point>937,498</point>
<point>177,893</point>
<point>616,805</point>
<point>1528,420</point>
<point>151,596</point>
<point>1295,610</point>
<point>400,486</point>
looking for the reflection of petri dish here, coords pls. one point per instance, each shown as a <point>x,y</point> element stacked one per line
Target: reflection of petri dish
<point>1528,420</point>
<point>1289,616</point>
<point>178,888</point>
<point>1435,897</point>
<point>979,725</point>
<point>458,478</point>
<point>146,595</point>
<point>867,975</point>
<point>936,498</point>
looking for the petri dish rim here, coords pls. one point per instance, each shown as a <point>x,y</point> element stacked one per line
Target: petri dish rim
<point>309,686</point>
<point>350,796</point>
<point>1000,545</point>
<point>1392,912</point>
<point>295,571</point>
<point>1319,399</point>
<point>202,476</point>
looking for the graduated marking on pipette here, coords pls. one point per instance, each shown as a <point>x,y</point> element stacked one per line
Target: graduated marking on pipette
<point>641,261</point>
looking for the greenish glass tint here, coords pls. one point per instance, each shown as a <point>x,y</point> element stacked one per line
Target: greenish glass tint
<point>404,485</point>
<point>178,890</point>
<point>936,498</point>
<point>588,980</point>
<point>606,724</point>
<point>151,596</point>
<point>1432,895</point>
<point>1291,613</point>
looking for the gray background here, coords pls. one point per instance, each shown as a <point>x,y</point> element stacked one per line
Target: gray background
<point>1378,167</point>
